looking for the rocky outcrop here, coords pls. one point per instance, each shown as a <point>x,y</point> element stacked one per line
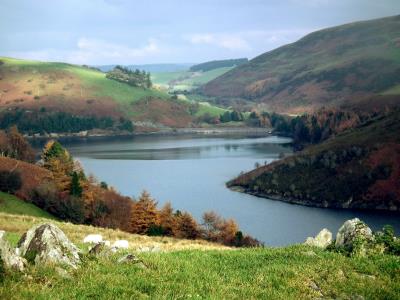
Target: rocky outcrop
<point>322,240</point>
<point>352,230</point>
<point>47,244</point>
<point>8,258</point>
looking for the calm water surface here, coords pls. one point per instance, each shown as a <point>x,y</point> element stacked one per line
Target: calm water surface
<point>191,172</point>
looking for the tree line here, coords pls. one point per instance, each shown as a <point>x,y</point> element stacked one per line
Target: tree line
<point>135,78</point>
<point>43,121</point>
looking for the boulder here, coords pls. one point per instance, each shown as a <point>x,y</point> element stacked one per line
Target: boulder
<point>8,258</point>
<point>321,240</point>
<point>351,231</point>
<point>47,244</point>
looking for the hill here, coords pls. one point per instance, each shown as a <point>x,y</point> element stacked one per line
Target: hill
<point>12,205</point>
<point>215,64</point>
<point>357,168</point>
<point>32,91</point>
<point>329,67</point>
<point>203,271</point>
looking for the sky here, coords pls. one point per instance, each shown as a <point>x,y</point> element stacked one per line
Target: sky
<point>100,32</point>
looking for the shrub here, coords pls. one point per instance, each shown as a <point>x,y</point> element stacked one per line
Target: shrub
<point>10,182</point>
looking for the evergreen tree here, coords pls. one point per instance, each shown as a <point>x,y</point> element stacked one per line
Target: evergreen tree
<point>76,188</point>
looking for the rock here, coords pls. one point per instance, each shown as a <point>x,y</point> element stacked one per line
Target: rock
<point>352,230</point>
<point>93,238</point>
<point>9,259</point>
<point>132,259</point>
<point>309,253</point>
<point>47,244</point>
<point>322,240</point>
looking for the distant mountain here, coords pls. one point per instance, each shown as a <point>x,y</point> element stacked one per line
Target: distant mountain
<point>329,67</point>
<point>152,68</point>
<point>216,64</point>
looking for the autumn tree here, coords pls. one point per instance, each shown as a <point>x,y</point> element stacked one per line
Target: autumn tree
<point>187,227</point>
<point>14,145</point>
<point>59,162</point>
<point>144,214</point>
<point>167,219</point>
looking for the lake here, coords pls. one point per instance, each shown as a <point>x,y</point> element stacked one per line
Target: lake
<point>190,171</point>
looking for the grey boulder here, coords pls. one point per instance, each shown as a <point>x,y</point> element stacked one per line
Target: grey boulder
<point>321,240</point>
<point>353,230</point>
<point>8,257</point>
<point>47,244</point>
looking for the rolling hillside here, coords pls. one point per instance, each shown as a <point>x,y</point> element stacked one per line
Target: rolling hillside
<point>329,67</point>
<point>82,91</point>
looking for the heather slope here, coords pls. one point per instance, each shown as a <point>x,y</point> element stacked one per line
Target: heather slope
<point>329,67</point>
<point>358,168</point>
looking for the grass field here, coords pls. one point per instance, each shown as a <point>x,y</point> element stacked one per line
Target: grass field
<point>13,205</point>
<point>186,80</point>
<point>204,272</point>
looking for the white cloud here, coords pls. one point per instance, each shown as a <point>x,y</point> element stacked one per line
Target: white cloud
<point>227,41</point>
<point>247,41</point>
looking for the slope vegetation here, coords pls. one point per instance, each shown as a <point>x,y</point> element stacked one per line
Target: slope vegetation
<point>358,168</point>
<point>326,68</point>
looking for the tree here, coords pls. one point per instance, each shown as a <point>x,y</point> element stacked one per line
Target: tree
<point>76,188</point>
<point>167,219</point>
<point>10,182</point>
<point>144,214</point>
<point>14,145</point>
<point>187,227</point>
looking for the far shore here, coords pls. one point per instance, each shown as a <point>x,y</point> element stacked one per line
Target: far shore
<point>250,131</point>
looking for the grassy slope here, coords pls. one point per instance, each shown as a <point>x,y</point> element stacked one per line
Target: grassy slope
<point>80,90</point>
<point>12,205</point>
<point>327,67</point>
<point>186,80</point>
<point>281,273</point>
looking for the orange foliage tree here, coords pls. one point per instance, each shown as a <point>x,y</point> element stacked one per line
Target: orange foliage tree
<point>144,214</point>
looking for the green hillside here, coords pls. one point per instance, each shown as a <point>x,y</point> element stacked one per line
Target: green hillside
<point>48,87</point>
<point>329,67</point>
<point>186,80</point>
<point>13,205</point>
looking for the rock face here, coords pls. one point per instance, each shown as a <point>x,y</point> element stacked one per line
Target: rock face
<point>8,257</point>
<point>47,244</point>
<point>322,239</point>
<point>352,230</point>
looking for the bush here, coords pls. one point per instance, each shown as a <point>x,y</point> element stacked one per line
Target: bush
<point>10,182</point>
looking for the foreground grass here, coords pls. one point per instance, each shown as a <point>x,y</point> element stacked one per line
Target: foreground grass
<point>16,225</point>
<point>285,273</point>
<point>13,205</point>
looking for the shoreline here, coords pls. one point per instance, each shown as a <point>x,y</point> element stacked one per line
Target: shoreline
<point>162,132</point>
<point>240,189</point>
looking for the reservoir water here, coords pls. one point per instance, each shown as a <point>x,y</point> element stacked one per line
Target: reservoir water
<point>191,172</point>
